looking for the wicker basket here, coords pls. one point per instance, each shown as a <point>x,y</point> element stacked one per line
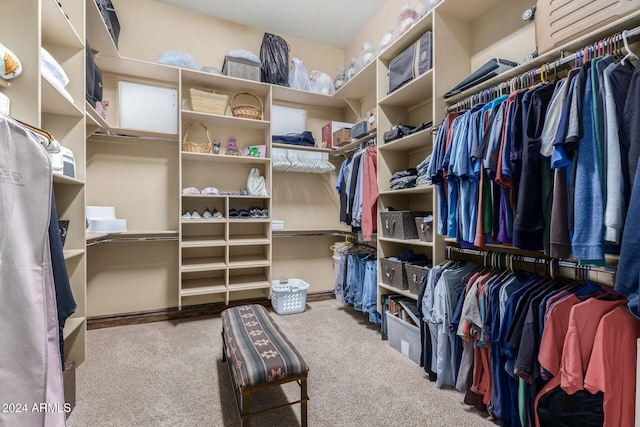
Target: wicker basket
<point>196,147</point>
<point>208,102</point>
<point>246,111</point>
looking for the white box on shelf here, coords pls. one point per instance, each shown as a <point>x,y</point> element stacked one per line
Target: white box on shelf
<point>404,337</point>
<point>289,296</point>
<point>277,224</point>
<point>102,219</point>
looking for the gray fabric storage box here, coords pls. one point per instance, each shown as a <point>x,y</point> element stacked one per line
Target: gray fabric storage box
<point>241,68</point>
<point>425,229</point>
<point>393,274</point>
<point>415,272</point>
<point>400,224</point>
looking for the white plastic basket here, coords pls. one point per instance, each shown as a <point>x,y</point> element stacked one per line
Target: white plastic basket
<point>289,296</point>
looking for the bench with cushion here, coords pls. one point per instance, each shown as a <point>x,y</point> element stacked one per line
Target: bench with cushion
<point>260,356</point>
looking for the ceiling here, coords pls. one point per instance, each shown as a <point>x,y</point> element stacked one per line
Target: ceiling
<point>316,21</point>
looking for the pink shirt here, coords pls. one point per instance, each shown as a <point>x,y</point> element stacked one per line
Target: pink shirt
<point>555,331</point>
<point>612,368</point>
<point>369,193</point>
<point>578,343</point>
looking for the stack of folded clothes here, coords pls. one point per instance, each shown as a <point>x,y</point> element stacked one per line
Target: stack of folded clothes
<point>404,179</point>
<point>423,179</point>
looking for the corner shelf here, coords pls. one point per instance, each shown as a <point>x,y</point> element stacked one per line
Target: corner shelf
<point>412,242</point>
<point>416,190</point>
<point>412,142</point>
<point>71,325</point>
<point>97,32</point>
<point>56,28</point>
<point>398,291</point>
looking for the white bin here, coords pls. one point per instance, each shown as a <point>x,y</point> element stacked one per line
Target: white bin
<point>289,296</point>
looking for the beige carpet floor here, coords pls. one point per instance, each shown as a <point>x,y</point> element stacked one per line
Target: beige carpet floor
<point>172,374</point>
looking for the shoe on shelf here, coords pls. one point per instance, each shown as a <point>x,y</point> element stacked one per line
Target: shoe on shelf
<point>210,191</point>
<point>264,213</point>
<point>190,190</point>
<point>195,215</point>
<point>207,214</point>
<point>186,215</point>
<point>254,213</point>
<point>217,214</point>
<point>233,213</point>
<point>244,214</point>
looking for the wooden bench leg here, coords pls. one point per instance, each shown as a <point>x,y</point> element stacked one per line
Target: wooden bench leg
<point>303,402</point>
<point>245,409</point>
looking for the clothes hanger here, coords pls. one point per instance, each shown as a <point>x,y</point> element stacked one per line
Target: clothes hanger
<point>630,54</point>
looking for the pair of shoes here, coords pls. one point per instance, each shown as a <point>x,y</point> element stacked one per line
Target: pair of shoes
<point>208,191</point>
<point>258,213</point>
<point>212,215</point>
<point>239,213</point>
<point>189,215</point>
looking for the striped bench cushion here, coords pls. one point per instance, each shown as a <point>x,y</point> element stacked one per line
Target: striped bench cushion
<point>257,350</point>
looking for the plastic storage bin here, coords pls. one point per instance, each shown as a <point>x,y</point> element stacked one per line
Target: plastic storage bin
<point>289,296</point>
<point>404,337</point>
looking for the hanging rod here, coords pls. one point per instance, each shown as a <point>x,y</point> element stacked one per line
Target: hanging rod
<point>531,260</point>
<point>504,87</point>
<point>334,234</point>
<point>131,239</point>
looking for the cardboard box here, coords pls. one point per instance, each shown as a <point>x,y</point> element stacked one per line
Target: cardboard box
<point>341,137</point>
<point>328,131</point>
<point>372,119</point>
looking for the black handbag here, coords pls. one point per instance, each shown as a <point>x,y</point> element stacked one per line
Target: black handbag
<point>93,77</point>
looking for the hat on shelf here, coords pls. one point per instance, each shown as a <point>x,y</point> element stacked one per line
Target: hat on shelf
<point>10,65</point>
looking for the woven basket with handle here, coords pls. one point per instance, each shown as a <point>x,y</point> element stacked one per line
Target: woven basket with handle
<point>247,111</point>
<point>208,102</point>
<point>196,147</point>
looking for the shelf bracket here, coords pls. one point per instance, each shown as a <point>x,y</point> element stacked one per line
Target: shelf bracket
<point>354,104</point>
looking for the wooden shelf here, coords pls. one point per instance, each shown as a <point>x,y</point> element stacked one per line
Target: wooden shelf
<point>303,148</point>
<point>296,96</point>
<point>243,283</point>
<point>203,196</point>
<point>71,325</point>
<point>72,253</point>
<point>238,261</point>
<point>398,291</point>
<point>416,92</point>
<point>256,239</point>
<point>412,242</point>
<point>56,28</point>
<point>54,102</point>
<point>192,287</point>
<point>221,158</point>
<point>360,85</point>
<point>423,25</point>
<point>223,83</point>
<point>237,220</point>
<point>92,237</point>
<point>545,58</point>
<point>202,241</point>
<point>95,117</point>
<point>122,67</point>
<point>220,120</point>
<point>202,264</point>
<point>203,221</point>
<point>313,230</point>
<point>354,144</point>
<point>115,132</point>
<point>416,190</point>
<point>66,180</point>
<point>418,140</point>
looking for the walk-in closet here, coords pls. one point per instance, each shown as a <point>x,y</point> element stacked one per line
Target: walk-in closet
<point>374,212</point>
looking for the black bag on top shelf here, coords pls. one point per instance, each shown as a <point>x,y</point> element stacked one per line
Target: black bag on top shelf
<point>274,54</point>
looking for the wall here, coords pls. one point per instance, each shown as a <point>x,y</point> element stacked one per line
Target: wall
<point>150,28</point>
